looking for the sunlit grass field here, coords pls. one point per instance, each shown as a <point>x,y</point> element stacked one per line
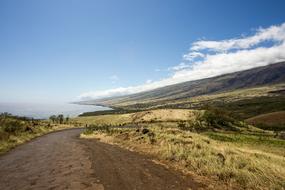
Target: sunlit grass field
<point>245,157</point>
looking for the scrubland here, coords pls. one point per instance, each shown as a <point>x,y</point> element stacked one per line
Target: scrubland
<point>16,130</point>
<point>209,144</point>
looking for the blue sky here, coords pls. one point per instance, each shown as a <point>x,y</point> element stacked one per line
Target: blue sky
<point>57,50</point>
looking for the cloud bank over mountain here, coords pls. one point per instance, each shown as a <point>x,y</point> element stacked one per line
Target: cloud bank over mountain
<point>208,58</point>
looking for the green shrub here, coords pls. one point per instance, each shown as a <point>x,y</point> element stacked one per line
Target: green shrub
<point>182,125</point>
<point>4,136</point>
<point>102,128</point>
<point>13,127</point>
<point>221,119</point>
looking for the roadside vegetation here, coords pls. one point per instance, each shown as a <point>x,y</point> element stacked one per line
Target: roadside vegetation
<point>16,130</point>
<point>211,144</point>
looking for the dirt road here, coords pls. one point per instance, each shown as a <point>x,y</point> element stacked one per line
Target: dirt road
<point>61,160</point>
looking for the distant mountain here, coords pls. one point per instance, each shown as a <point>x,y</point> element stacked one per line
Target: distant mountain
<point>266,75</point>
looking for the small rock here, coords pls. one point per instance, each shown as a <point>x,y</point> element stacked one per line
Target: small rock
<point>145,131</point>
<point>198,146</point>
<point>221,157</point>
<point>206,141</point>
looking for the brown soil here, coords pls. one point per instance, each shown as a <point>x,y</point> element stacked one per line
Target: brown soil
<point>269,118</point>
<point>61,160</point>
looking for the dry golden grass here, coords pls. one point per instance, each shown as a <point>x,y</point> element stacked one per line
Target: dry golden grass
<point>235,166</point>
<point>248,159</point>
<point>143,116</point>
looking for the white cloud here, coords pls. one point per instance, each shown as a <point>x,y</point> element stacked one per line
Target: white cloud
<point>179,67</point>
<point>222,63</point>
<point>192,55</point>
<point>273,33</point>
<point>211,58</point>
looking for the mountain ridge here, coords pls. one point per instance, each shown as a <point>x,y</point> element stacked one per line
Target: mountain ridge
<point>265,75</point>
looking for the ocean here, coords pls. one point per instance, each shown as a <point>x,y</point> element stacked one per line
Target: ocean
<point>45,110</point>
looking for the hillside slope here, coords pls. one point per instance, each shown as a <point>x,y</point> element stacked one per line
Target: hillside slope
<point>270,121</point>
<point>266,75</point>
<point>159,115</point>
<point>270,118</point>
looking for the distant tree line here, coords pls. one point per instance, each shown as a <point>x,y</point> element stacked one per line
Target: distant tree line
<point>59,119</point>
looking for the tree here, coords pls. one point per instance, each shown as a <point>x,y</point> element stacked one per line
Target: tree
<point>67,119</point>
<point>60,118</point>
<point>53,118</point>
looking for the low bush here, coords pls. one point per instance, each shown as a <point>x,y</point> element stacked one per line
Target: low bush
<point>220,119</point>
<point>15,130</point>
<point>211,119</point>
<point>101,128</point>
<point>13,127</point>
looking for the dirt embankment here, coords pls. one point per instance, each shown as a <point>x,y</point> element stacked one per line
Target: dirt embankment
<point>269,118</point>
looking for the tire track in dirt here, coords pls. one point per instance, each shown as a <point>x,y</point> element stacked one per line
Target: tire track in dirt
<point>61,160</point>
